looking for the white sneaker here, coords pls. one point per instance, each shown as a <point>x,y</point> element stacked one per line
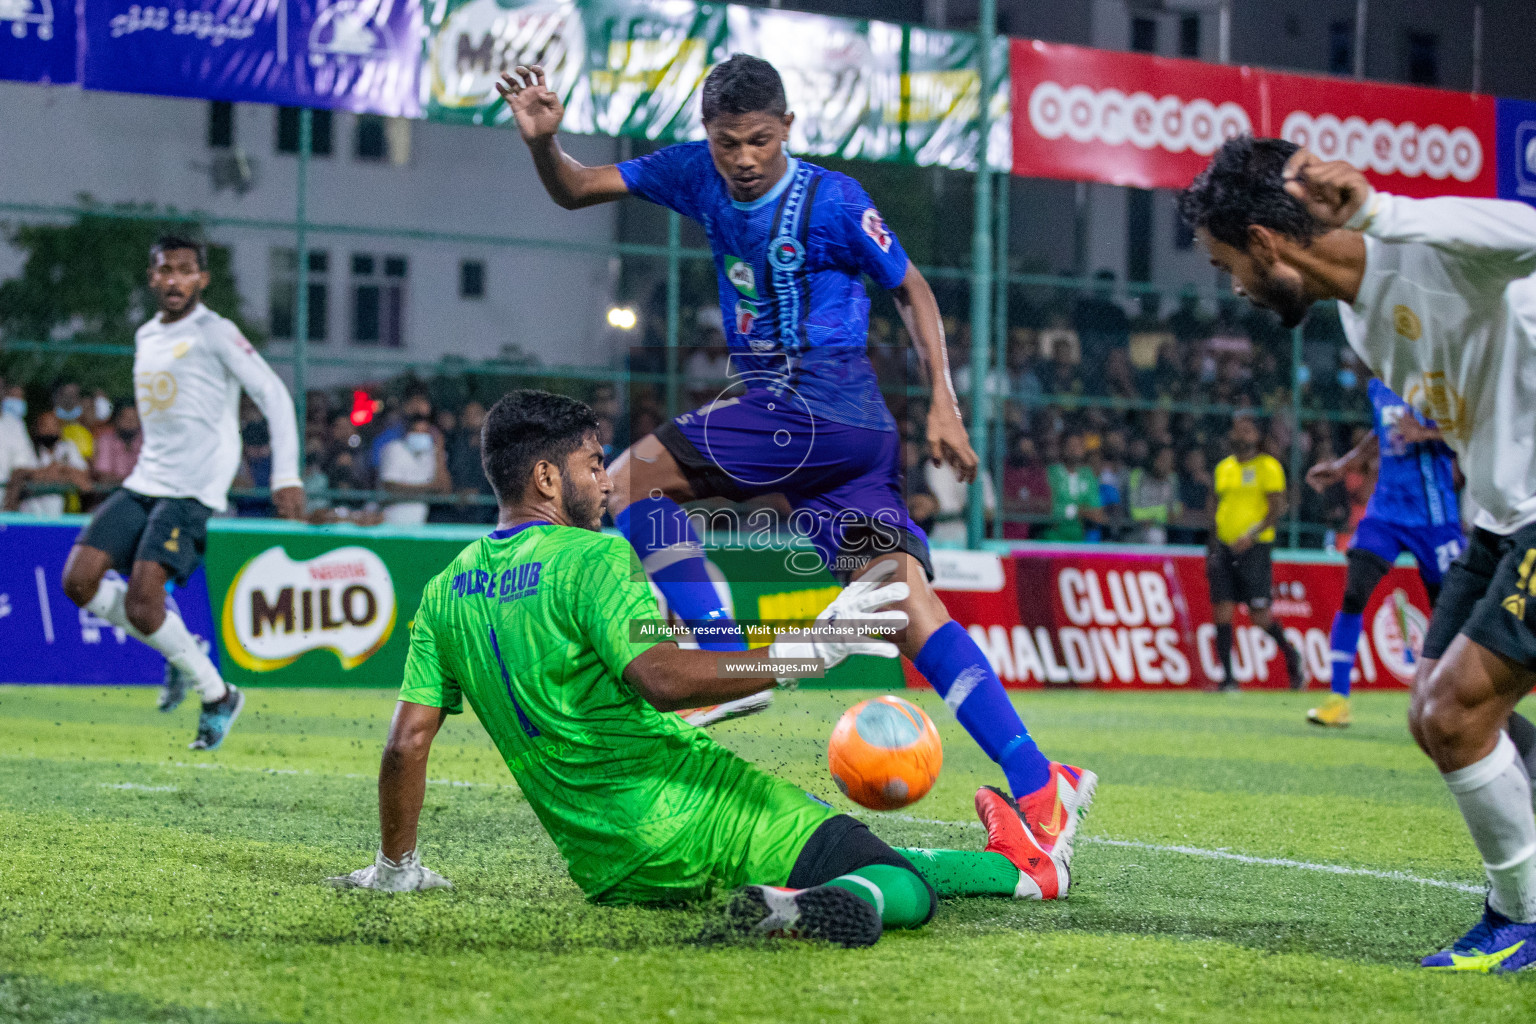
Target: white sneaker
<point>738,708</point>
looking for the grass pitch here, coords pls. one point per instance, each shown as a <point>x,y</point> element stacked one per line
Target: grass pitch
<point>142,882</point>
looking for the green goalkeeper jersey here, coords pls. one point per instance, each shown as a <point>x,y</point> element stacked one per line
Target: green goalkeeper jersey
<point>533,625</point>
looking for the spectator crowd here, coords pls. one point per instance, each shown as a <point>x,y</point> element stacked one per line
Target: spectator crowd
<point>1113,414</point>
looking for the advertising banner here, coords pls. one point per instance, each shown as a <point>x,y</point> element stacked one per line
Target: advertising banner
<point>297,607</point>
<point>47,639</point>
<point>1516,148</point>
<point>866,90</point>
<point>38,41</point>
<point>349,54</point>
<point>1123,619</point>
<point>1410,141</point>
<point>1152,122</point>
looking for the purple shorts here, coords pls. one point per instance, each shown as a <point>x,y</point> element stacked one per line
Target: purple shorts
<point>1433,547</point>
<point>843,483</point>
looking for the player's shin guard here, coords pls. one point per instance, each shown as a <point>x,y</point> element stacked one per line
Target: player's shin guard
<point>172,639</point>
<point>672,556</point>
<point>1495,799</point>
<point>900,896</point>
<point>960,672</point>
<point>1343,640</point>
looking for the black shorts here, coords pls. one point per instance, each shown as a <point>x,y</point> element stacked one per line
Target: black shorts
<point>1248,578</point>
<point>842,845</point>
<point>1489,595</point>
<point>133,527</point>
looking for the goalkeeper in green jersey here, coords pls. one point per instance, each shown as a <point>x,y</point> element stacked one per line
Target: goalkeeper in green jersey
<point>533,626</point>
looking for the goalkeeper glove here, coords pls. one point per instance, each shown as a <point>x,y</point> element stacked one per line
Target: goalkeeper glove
<point>385,875</point>
<point>861,602</point>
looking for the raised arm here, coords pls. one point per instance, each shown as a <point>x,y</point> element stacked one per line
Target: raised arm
<point>947,437</point>
<point>1339,196</point>
<point>1323,475</point>
<point>538,112</point>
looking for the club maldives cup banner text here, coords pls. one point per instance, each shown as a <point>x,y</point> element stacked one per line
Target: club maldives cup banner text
<point>1072,617</point>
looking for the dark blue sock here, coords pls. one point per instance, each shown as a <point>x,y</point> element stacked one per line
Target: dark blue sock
<point>1343,640</point>
<point>673,558</point>
<point>957,668</point>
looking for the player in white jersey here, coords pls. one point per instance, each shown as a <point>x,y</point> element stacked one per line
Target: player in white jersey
<point>1436,296</point>
<point>189,366</point>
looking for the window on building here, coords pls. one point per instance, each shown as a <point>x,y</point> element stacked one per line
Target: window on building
<point>283,294</point>
<point>1189,35</point>
<point>1423,58</point>
<point>378,300</point>
<point>1341,48</point>
<point>370,141</point>
<point>288,131</point>
<point>1143,35</point>
<point>472,279</point>
<point>221,125</point>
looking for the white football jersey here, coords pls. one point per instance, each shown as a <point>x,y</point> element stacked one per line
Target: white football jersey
<point>187,377</point>
<point>1446,316</point>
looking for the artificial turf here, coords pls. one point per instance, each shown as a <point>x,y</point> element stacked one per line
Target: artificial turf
<point>142,882</point>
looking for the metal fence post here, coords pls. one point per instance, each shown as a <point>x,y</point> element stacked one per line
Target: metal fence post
<point>999,404</point>
<point>674,301</point>
<point>981,268</point>
<point>301,305</point>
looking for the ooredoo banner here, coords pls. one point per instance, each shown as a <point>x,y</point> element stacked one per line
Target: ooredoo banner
<point>1120,619</point>
<point>1153,122</point>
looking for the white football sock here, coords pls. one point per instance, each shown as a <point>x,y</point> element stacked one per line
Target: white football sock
<point>1495,799</point>
<point>172,639</point>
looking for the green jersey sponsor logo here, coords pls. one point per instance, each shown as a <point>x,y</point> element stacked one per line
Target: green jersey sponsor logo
<point>739,273</point>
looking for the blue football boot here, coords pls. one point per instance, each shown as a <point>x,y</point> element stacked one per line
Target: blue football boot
<point>216,720</point>
<point>1495,945</point>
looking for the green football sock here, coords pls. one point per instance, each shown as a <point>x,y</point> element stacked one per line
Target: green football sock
<point>965,872</point>
<point>899,895</point>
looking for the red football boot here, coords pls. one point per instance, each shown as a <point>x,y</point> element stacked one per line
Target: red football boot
<point>1054,811</point>
<point>1042,876</point>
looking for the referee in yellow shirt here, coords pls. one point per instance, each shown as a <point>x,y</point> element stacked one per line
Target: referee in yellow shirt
<point>1249,494</point>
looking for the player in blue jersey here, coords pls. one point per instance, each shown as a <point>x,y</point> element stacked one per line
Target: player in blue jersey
<point>1414,508</point>
<point>791,243</point>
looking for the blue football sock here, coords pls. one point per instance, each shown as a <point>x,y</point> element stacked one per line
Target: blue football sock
<point>673,558</point>
<point>1343,639</point>
<point>957,668</point>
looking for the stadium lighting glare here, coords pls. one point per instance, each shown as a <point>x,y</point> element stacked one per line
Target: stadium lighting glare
<point>622,317</point>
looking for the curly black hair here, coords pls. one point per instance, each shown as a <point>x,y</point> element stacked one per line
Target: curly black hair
<point>743,85</point>
<point>171,242</point>
<point>527,426</point>
<point>1244,184</point>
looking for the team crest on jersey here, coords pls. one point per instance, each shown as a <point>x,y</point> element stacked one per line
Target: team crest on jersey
<point>1406,322</point>
<point>746,316</point>
<point>786,253</point>
<point>739,273</point>
<point>875,228</point>
<point>1250,476</point>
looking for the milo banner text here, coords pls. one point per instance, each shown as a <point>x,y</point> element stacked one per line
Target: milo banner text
<point>1116,620</point>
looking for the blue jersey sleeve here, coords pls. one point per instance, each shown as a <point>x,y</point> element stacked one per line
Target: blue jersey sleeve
<point>670,176</point>
<point>868,243</point>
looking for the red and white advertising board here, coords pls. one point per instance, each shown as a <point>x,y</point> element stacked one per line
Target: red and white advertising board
<point>1073,617</point>
<point>1153,122</point>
